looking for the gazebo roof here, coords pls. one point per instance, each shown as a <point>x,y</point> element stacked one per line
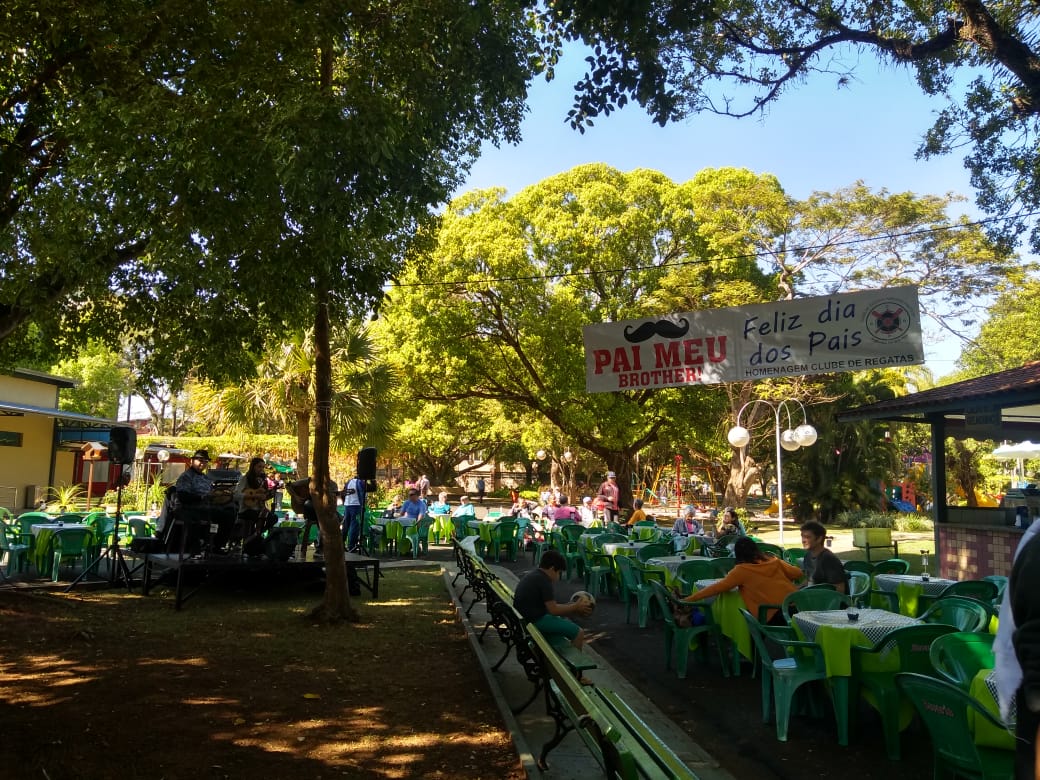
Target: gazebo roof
<point>1004,405</point>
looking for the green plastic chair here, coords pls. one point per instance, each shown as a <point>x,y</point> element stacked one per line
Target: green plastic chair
<point>504,534</point>
<point>1001,582</point>
<point>980,590</point>
<point>812,599</point>
<point>794,555</point>
<point>599,574</point>
<point>633,586</point>
<point>657,550</point>
<point>680,640</point>
<point>141,527</point>
<point>17,553</point>
<point>723,566</point>
<point>418,536</point>
<point>772,549</point>
<point>721,547</point>
<point>688,572</point>
<point>959,656</point>
<point>889,566</point>
<point>863,566</point>
<point>946,712</point>
<point>859,587</point>
<point>571,544</point>
<point>70,544</point>
<point>601,539</point>
<point>961,612</point>
<point>461,525</point>
<point>786,665</point>
<point>903,650</point>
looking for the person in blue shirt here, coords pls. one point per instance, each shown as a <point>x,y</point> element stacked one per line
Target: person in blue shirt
<point>441,506</point>
<point>464,508</point>
<point>414,508</point>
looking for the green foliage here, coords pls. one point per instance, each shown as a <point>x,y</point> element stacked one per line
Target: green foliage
<point>736,57</point>
<point>194,176</point>
<point>65,496</point>
<point>914,522</point>
<point>1007,339</point>
<point>101,380</point>
<point>865,518</point>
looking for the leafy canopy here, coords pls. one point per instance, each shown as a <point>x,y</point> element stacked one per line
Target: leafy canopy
<point>735,57</point>
<point>189,173</point>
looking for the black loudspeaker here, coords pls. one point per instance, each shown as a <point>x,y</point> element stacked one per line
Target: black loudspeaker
<point>366,464</point>
<point>122,445</point>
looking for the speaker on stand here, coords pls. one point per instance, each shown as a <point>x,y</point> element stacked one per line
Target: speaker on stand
<point>122,449</point>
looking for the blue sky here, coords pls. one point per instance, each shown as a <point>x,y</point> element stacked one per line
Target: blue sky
<point>816,137</point>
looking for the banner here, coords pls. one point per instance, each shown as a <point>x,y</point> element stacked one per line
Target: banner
<point>845,332</point>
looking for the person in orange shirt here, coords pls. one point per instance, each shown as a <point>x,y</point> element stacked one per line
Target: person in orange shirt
<point>760,578</point>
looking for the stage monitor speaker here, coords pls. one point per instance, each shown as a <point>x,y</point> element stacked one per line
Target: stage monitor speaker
<point>366,464</point>
<point>122,445</point>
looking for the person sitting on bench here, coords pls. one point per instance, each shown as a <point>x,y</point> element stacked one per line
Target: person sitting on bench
<point>536,602</point>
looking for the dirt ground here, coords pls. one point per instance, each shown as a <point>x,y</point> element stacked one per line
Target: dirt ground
<point>102,685</point>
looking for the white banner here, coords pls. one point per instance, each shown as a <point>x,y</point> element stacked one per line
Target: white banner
<point>847,332</point>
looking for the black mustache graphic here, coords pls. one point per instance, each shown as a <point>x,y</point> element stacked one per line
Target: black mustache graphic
<point>665,328</point>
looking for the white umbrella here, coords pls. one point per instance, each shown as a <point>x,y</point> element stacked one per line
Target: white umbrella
<point>1025,449</point>
<point>1018,452</point>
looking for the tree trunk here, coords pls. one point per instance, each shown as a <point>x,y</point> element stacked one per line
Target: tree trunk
<point>336,605</point>
<point>303,442</point>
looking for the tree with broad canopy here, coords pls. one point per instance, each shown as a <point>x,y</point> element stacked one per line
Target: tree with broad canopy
<point>201,176</point>
<point>515,280</point>
<point>735,57</point>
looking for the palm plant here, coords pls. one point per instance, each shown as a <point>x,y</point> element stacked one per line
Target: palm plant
<point>66,496</point>
<point>281,397</point>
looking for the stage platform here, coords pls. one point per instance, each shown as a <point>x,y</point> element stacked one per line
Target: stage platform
<point>191,573</point>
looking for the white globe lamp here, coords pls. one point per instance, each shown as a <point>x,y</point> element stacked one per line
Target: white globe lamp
<point>788,440</point>
<point>738,436</point>
<point>805,435</point>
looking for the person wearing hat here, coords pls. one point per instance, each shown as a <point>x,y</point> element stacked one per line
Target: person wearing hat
<point>610,494</point>
<point>194,489</point>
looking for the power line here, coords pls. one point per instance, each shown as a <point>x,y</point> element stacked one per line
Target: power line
<point>746,256</point>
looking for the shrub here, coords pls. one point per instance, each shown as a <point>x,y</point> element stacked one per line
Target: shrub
<point>914,522</point>
<point>865,518</point>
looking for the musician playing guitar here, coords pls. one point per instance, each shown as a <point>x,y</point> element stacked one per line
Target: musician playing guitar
<point>251,497</point>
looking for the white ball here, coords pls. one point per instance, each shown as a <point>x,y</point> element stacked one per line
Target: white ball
<point>584,595</point>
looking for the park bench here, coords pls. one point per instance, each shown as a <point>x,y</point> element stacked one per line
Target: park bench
<point>478,576</point>
<point>621,741</point>
<point>512,630</point>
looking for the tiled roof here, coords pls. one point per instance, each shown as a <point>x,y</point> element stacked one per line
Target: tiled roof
<point>1015,387</point>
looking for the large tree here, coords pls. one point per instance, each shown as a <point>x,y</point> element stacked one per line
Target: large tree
<point>735,57</point>
<point>203,175</point>
<point>1008,338</point>
<point>499,304</point>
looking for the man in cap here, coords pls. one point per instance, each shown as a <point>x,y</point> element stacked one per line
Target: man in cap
<point>194,489</point>
<point>610,494</point>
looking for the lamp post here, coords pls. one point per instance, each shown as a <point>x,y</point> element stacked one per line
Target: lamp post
<point>790,439</point>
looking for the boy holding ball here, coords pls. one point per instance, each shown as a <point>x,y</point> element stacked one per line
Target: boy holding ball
<point>536,601</point>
